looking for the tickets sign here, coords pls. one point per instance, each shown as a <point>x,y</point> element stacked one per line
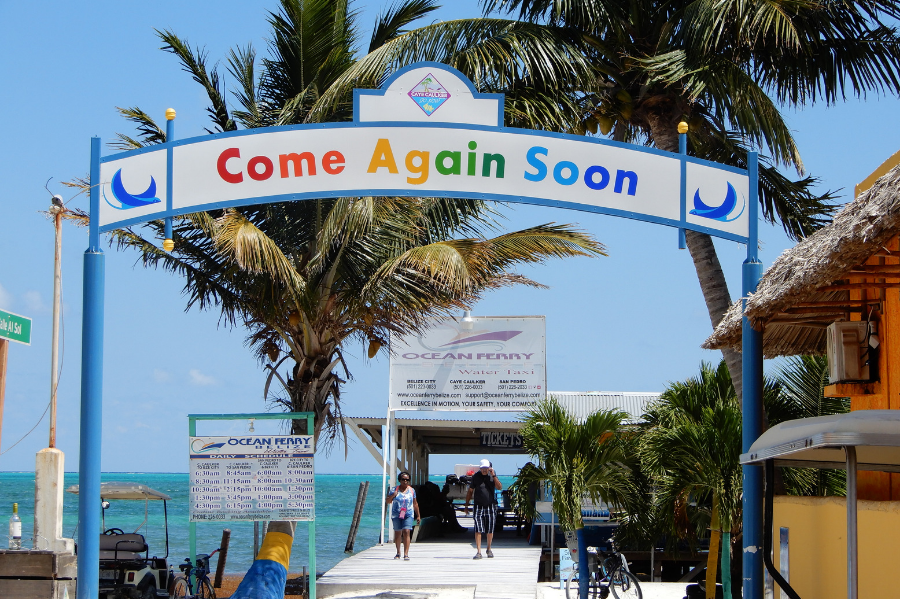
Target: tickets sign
<point>481,364</point>
<point>252,478</point>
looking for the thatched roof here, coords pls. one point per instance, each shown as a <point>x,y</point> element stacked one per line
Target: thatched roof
<point>807,287</point>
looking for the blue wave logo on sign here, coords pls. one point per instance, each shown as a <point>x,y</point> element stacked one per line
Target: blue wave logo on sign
<point>719,213</point>
<point>199,447</point>
<point>125,200</point>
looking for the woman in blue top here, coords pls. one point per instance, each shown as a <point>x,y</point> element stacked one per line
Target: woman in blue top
<point>404,513</point>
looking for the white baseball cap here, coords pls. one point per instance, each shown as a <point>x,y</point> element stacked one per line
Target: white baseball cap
<point>485,463</point>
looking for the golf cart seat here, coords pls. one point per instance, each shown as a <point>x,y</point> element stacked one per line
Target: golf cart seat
<point>122,547</point>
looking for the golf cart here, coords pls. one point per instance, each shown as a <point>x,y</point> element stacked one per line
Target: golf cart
<point>127,571</point>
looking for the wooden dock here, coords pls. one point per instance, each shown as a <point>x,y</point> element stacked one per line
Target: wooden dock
<point>442,563</point>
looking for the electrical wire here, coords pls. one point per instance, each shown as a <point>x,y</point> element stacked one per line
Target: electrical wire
<point>29,432</point>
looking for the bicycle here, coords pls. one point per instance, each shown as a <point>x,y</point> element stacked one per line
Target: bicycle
<point>183,588</point>
<point>610,574</point>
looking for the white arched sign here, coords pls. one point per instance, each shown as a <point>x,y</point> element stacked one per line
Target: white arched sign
<point>427,132</point>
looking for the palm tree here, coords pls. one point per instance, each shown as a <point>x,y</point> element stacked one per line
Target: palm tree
<point>308,277</point>
<point>801,382</point>
<point>577,461</point>
<point>692,450</point>
<point>725,68</point>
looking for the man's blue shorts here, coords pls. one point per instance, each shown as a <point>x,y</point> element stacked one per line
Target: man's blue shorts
<point>404,523</point>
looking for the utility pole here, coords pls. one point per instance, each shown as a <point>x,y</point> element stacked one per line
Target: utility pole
<point>4,350</point>
<point>56,209</point>
<point>49,470</point>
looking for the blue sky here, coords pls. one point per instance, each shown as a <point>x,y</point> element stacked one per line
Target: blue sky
<point>628,322</point>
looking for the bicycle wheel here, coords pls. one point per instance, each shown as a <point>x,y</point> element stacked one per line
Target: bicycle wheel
<point>180,589</point>
<point>572,586</point>
<point>205,589</point>
<point>625,585</point>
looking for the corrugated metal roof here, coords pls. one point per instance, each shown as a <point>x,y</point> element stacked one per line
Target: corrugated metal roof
<point>582,404</point>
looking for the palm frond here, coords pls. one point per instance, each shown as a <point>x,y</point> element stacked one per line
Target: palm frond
<point>392,22</point>
<point>149,133</point>
<point>194,62</point>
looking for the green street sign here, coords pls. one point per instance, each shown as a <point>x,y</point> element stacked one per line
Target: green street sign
<point>15,328</point>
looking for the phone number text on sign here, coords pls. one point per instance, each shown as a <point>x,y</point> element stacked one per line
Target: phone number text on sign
<point>252,478</point>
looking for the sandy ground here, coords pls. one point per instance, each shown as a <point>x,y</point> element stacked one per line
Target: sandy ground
<point>649,590</point>
<point>545,590</point>
<point>230,584</point>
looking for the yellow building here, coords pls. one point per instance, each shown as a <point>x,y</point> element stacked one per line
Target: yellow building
<point>847,271</point>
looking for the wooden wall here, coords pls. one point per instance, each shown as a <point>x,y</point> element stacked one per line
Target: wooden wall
<point>884,394</point>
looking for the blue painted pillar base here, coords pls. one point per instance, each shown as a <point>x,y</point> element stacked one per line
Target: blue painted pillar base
<point>584,572</point>
<point>91,427</point>
<point>752,412</point>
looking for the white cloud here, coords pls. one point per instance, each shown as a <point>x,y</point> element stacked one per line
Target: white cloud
<point>6,299</point>
<point>33,301</point>
<point>161,376</point>
<point>200,379</point>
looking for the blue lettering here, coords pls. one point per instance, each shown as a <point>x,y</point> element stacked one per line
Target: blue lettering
<point>534,161</point>
<point>565,165</point>
<point>632,181</point>
<point>595,170</point>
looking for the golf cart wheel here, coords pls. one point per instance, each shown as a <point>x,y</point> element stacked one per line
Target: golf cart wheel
<point>206,590</point>
<point>626,586</point>
<point>180,589</point>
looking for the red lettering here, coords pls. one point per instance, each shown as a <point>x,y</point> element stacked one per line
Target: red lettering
<point>333,162</point>
<point>221,165</point>
<point>296,159</point>
<point>254,173</point>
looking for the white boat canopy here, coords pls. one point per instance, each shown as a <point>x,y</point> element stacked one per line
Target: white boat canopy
<point>820,442</point>
<point>865,439</point>
<point>120,490</point>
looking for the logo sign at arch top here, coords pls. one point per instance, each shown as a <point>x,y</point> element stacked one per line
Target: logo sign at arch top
<point>427,132</point>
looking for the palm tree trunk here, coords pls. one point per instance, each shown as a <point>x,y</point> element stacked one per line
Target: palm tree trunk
<point>712,559</point>
<point>715,292</point>
<point>726,565</point>
<point>703,252</point>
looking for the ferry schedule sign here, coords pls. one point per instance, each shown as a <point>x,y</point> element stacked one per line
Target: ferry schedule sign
<point>479,364</point>
<point>252,478</point>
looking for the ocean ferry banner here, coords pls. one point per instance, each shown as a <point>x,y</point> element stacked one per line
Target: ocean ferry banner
<point>428,132</point>
<point>492,364</point>
<point>252,478</point>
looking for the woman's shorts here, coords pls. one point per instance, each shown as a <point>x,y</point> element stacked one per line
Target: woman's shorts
<point>404,523</point>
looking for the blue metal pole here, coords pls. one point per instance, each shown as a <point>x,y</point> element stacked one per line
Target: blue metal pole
<point>682,149</point>
<point>584,571</point>
<point>88,586</point>
<point>170,158</point>
<point>752,366</point>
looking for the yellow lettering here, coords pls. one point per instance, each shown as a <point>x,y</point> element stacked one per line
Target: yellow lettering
<point>383,156</point>
<point>420,169</point>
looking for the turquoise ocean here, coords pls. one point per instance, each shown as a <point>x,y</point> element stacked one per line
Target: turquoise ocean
<point>335,502</point>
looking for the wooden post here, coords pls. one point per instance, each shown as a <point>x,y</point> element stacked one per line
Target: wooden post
<point>4,350</point>
<point>223,555</point>
<point>357,515</point>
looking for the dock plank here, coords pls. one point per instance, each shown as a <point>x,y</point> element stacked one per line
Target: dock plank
<point>440,563</point>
